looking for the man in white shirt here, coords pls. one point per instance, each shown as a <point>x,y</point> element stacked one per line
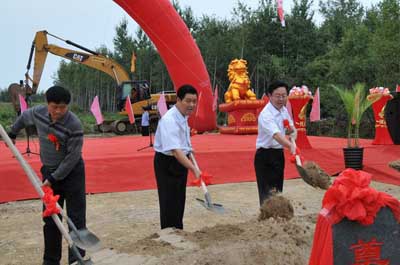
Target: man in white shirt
<point>269,161</point>
<point>145,123</point>
<point>171,163</point>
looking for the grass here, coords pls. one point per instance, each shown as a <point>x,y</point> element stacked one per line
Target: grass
<point>7,114</point>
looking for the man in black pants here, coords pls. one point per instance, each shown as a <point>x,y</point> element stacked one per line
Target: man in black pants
<point>269,161</point>
<point>171,162</point>
<point>61,138</point>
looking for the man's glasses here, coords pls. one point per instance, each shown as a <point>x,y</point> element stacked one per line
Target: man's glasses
<point>277,96</point>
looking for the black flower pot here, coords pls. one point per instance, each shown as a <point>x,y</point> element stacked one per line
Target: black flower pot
<point>353,157</point>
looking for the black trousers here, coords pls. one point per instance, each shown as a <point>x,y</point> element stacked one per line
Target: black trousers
<point>171,179</point>
<point>72,192</point>
<point>269,165</point>
<point>145,131</point>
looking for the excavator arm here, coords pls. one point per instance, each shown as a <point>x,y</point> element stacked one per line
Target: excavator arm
<point>139,90</point>
<point>40,48</point>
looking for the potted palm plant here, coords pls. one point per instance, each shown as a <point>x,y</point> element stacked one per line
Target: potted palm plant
<point>355,103</point>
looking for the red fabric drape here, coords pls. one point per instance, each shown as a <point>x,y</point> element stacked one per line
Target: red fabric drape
<point>299,108</point>
<point>349,196</point>
<point>322,251</point>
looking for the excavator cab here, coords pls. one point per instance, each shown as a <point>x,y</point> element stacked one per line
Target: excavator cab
<point>137,91</point>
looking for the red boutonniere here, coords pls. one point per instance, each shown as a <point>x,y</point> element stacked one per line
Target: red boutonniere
<point>286,124</point>
<point>52,138</point>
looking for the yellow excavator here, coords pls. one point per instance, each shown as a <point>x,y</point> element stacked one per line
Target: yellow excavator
<point>138,90</point>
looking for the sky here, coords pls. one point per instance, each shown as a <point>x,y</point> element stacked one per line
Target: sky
<point>90,23</point>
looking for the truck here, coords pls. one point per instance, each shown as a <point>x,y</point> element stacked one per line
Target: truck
<point>138,90</point>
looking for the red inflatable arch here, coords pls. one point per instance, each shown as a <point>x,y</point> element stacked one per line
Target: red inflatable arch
<point>178,50</point>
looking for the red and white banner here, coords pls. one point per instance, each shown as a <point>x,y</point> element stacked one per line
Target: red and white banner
<point>22,103</point>
<point>162,105</point>
<point>129,110</point>
<point>315,114</point>
<point>96,110</point>
<point>281,14</point>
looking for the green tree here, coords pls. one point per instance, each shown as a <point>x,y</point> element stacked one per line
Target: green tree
<point>123,45</point>
<point>385,49</point>
<point>339,15</point>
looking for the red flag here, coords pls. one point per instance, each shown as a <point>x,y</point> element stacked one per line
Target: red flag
<point>280,12</point>
<point>315,114</point>
<point>398,88</point>
<point>129,110</point>
<point>96,110</point>
<point>215,99</point>
<point>22,103</point>
<point>162,105</point>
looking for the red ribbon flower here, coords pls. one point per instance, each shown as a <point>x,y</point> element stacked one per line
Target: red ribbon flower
<point>351,196</point>
<point>205,177</point>
<point>52,138</point>
<point>286,124</point>
<point>50,201</point>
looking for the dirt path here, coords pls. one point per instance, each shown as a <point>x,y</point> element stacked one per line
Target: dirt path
<point>128,223</point>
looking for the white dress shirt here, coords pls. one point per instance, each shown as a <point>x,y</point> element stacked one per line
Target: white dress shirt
<point>145,119</point>
<point>270,121</point>
<point>172,133</point>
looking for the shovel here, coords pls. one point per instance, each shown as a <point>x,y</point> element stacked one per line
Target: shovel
<point>215,207</point>
<point>83,238</point>
<point>35,182</point>
<point>299,167</point>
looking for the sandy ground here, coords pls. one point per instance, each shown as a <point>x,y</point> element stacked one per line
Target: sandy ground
<point>128,226</point>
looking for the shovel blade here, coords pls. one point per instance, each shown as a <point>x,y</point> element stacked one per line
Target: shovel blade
<point>85,239</point>
<point>303,174</point>
<point>214,207</point>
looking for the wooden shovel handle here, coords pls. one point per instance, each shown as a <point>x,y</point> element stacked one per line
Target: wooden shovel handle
<point>297,157</point>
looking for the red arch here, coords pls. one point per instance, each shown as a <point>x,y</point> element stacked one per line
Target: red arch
<point>178,50</point>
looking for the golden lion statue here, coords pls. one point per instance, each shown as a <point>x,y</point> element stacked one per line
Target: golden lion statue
<point>239,88</point>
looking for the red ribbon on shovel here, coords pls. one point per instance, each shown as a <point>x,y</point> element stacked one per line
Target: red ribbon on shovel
<point>205,177</point>
<point>50,201</point>
<point>293,156</point>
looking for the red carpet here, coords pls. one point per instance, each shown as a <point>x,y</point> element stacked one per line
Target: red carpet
<point>114,164</point>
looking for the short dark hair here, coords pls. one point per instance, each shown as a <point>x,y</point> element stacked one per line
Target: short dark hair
<point>186,89</point>
<point>274,85</point>
<point>58,94</point>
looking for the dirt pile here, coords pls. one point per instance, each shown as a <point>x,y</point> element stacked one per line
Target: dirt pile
<point>271,241</point>
<point>276,206</point>
<point>128,225</point>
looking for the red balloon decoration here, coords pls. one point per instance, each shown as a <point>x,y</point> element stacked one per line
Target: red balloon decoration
<point>178,50</point>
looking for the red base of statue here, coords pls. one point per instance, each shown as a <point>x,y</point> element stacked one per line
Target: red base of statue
<point>242,116</point>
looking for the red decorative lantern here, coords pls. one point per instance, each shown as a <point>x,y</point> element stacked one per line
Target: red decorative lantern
<point>299,108</point>
<point>382,135</point>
